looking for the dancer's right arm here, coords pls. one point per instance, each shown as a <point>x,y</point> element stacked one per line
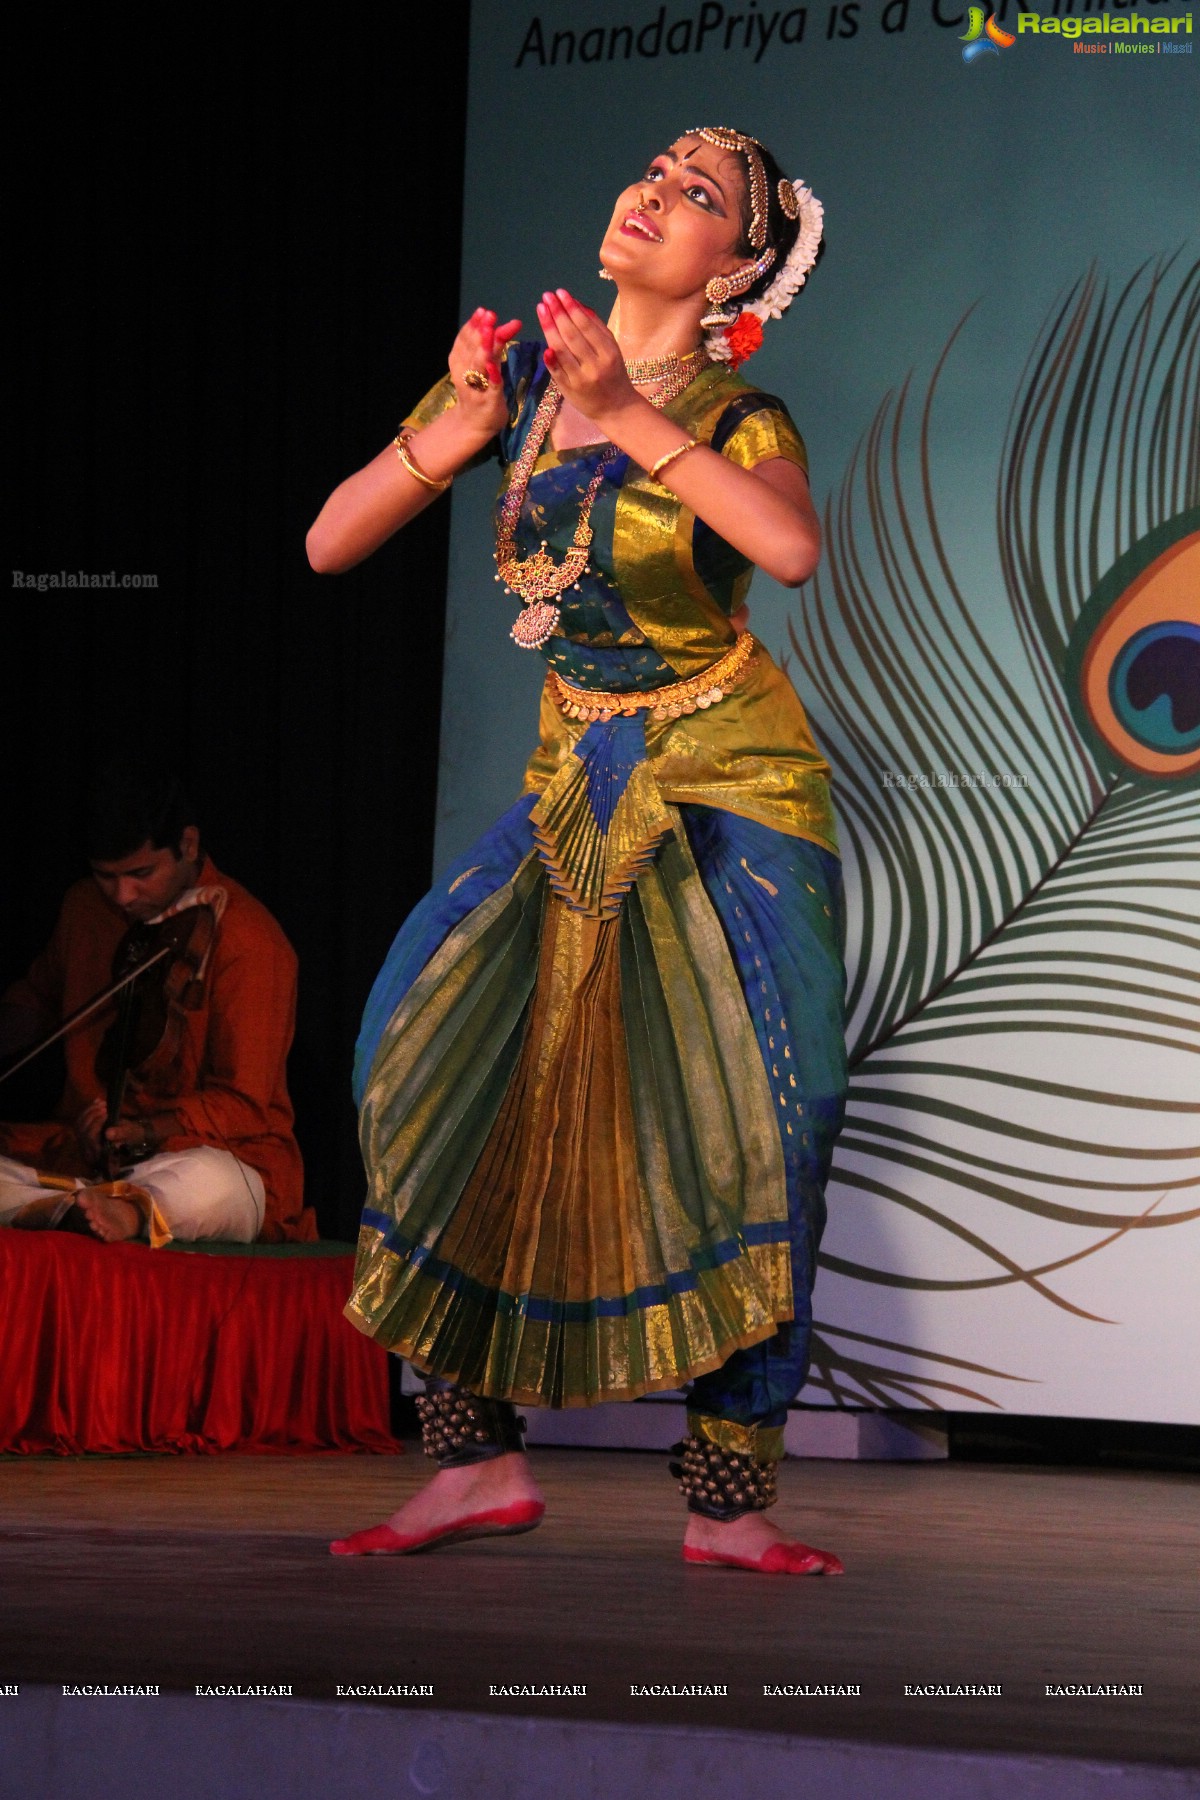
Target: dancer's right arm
<point>371,505</point>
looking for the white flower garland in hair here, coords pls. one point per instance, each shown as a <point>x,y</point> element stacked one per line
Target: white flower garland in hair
<point>794,273</point>
<point>791,277</point>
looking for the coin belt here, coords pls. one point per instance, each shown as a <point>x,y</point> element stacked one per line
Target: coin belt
<point>694,695</point>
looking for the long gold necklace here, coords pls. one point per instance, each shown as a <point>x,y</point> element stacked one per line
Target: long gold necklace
<point>539,579</point>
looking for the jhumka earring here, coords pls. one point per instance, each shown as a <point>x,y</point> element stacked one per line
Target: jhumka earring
<point>724,288</point>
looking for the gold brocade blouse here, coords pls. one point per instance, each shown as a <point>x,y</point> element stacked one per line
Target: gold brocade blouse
<point>656,608</point>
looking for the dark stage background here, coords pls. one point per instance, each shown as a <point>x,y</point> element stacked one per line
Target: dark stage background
<point>233,269</point>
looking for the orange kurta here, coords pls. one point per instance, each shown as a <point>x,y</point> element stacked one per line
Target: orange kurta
<point>228,1085</point>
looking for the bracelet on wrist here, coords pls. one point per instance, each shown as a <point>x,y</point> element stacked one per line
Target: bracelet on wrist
<point>435,486</point>
<point>665,462</point>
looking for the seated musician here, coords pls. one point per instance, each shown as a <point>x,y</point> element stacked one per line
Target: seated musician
<point>196,1140</point>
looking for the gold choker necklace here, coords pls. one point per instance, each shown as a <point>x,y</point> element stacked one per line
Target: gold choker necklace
<point>642,370</point>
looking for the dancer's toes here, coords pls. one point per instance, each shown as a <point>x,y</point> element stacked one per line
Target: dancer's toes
<point>793,1558</point>
<point>376,1540</point>
<point>497,1498</point>
<point>752,1542</point>
<point>495,1521</point>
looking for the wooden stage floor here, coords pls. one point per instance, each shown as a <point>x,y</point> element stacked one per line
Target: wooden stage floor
<point>215,1570</point>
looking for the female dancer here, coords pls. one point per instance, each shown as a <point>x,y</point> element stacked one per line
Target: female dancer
<point>602,1070</point>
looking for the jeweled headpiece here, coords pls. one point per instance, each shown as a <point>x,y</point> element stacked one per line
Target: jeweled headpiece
<point>797,202</point>
<point>726,139</point>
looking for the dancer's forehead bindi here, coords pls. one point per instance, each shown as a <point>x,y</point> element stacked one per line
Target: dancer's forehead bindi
<point>695,154</point>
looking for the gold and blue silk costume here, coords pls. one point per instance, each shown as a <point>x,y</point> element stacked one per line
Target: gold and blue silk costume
<point>601,1073</point>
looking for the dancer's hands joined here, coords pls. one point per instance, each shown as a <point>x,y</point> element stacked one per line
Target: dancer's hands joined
<point>584,357</point>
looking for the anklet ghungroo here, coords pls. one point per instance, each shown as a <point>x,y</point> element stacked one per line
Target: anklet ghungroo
<point>458,1427</point>
<point>721,1484</point>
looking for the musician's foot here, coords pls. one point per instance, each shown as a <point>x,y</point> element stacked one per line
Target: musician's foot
<point>109,1217</point>
<point>753,1542</point>
<point>496,1498</point>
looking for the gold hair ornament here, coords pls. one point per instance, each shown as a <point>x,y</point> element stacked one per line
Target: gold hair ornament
<point>726,139</point>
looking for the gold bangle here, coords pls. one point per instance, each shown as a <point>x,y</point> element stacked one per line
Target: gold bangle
<point>414,468</point>
<point>671,456</point>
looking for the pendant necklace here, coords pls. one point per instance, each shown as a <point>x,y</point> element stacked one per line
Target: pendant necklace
<point>539,579</point>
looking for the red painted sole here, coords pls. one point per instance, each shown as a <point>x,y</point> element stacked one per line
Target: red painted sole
<point>498,1521</point>
<point>780,1559</point>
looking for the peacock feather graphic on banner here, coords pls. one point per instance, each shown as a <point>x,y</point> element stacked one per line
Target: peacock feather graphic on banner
<point>1020,813</point>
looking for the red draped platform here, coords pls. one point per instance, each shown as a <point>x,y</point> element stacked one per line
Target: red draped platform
<point>119,1348</point>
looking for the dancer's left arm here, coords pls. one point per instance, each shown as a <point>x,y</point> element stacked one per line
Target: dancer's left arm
<point>766,512</point>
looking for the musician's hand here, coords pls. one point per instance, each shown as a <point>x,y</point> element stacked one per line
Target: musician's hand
<point>89,1128</point>
<point>480,347</point>
<point>136,1137</point>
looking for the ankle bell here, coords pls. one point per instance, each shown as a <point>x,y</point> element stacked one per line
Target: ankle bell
<point>722,1484</point>
<point>459,1428</point>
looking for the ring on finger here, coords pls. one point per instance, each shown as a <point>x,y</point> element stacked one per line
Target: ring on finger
<point>477,379</point>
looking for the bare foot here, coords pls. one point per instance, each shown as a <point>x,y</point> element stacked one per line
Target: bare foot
<point>501,1481</point>
<point>108,1216</point>
<point>484,1499</point>
<point>753,1542</point>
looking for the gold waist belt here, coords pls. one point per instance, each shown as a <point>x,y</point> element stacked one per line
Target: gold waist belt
<point>698,693</point>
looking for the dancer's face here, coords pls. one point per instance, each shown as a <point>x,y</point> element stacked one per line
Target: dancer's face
<point>681,224</point>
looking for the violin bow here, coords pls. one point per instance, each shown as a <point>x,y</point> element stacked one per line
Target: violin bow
<point>87,1009</point>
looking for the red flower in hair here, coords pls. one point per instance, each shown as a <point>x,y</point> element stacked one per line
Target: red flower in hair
<point>744,337</point>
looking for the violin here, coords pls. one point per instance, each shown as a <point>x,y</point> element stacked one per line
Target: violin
<point>158,972</point>
<point>159,969</point>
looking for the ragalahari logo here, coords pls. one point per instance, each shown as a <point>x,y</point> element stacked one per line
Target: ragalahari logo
<point>982,39</point>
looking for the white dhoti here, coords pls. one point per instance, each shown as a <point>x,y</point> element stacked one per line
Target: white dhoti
<point>198,1193</point>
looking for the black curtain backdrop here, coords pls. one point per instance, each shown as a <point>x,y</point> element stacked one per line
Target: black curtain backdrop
<point>234,267</point>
